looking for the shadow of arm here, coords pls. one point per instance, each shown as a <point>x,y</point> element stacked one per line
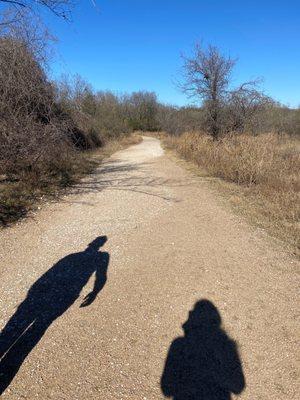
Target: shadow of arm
<point>171,374</point>
<point>100,280</point>
<point>231,375</point>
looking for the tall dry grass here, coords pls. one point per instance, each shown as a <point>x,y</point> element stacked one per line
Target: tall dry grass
<point>266,168</point>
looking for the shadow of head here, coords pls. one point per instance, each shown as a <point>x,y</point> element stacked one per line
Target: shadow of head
<point>97,243</point>
<point>204,314</point>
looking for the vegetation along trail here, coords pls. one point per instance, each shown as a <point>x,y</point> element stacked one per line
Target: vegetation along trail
<point>141,283</point>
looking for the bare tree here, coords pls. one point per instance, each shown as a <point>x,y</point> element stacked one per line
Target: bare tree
<point>28,28</point>
<point>61,8</point>
<point>206,78</point>
<point>245,104</point>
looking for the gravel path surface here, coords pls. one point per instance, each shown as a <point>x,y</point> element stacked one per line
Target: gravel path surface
<point>141,318</point>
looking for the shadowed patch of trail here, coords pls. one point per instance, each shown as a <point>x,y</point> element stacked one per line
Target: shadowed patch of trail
<point>175,296</point>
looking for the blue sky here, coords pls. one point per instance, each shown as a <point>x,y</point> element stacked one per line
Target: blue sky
<point>130,45</point>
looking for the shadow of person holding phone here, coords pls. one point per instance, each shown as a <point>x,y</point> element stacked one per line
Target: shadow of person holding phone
<point>204,363</point>
<point>47,299</point>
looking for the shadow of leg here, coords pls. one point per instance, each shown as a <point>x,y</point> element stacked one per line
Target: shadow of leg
<point>15,356</point>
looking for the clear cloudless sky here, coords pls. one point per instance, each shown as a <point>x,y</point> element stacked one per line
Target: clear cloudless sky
<point>130,45</point>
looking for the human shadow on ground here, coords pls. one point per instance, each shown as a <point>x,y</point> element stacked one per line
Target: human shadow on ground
<point>47,299</point>
<point>203,364</point>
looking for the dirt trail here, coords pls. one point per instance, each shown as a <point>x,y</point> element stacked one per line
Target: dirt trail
<point>171,242</point>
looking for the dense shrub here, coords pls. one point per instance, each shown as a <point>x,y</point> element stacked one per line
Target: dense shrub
<point>30,130</point>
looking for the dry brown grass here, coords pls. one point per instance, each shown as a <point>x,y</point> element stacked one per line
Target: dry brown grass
<point>265,168</point>
<point>19,196</point>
